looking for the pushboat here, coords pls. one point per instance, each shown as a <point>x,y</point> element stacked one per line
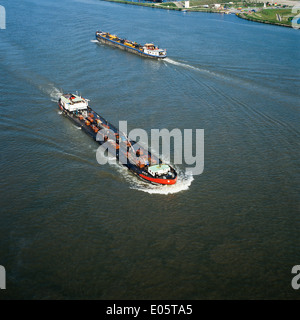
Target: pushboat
<point>137,159</point>
<point>148,50</point>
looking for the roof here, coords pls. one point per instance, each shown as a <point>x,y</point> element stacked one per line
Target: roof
<point>158,168</point>
<point>76,99</point>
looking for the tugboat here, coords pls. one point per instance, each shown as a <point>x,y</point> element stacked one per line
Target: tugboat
<point>148,50</point>
<point>137,159</point>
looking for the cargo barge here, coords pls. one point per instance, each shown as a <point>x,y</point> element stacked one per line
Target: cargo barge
<point>128,152</point>
<point>148,50</point>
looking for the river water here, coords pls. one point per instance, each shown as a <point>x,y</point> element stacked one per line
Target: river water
<point>73,229</point>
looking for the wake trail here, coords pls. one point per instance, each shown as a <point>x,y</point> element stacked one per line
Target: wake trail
<point>52,91</point>
<point>188,66</point>
<point>16,64</point>
<point>267,118</point>
<point>181,64</point>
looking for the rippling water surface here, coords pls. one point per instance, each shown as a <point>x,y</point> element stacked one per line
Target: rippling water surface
<point>70,228</point>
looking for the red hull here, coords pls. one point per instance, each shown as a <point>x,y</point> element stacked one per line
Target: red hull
<point>159,181</point>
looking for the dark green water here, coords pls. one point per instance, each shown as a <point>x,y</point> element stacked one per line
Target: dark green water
<point>72,229</point>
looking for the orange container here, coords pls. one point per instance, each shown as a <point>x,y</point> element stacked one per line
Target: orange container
<point>87,123</point>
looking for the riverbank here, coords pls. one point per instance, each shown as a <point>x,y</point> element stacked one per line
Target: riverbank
<point>276,16</point>
<point>165,5</point>
<point>279,17</point>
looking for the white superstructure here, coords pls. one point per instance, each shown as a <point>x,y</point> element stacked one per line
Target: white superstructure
<point>150,49</point>
<point>159,170</point>
<point>73,102</point>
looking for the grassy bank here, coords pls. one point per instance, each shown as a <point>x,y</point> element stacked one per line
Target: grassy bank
<point>151,5</point>
<point>133,3</point>
<point>165,5</point>
<point>281,17</point>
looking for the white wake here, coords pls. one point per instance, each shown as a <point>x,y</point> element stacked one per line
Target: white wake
<point>188,66</point>
<point>51,90</point>
<point>181,64</point>
<point>183,183</point>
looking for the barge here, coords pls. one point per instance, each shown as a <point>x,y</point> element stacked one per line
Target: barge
<point>148,50</point>
<point>128,152</point>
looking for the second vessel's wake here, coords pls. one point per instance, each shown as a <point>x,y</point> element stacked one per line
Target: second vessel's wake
<point>189,66</point>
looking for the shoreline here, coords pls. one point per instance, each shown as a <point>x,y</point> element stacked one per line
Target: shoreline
<point>241,15</point>
<point>246,17</point>
<point>158,6</point>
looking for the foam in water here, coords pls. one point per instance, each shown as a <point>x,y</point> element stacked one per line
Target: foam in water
<point>55,94</point>
<point>188,66</point>
<point>181,64</point>
<point>183,183</point>
<point>52,91</point>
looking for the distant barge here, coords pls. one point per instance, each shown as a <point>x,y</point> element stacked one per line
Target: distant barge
<point>148,50</point>
<point>137,159</point>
